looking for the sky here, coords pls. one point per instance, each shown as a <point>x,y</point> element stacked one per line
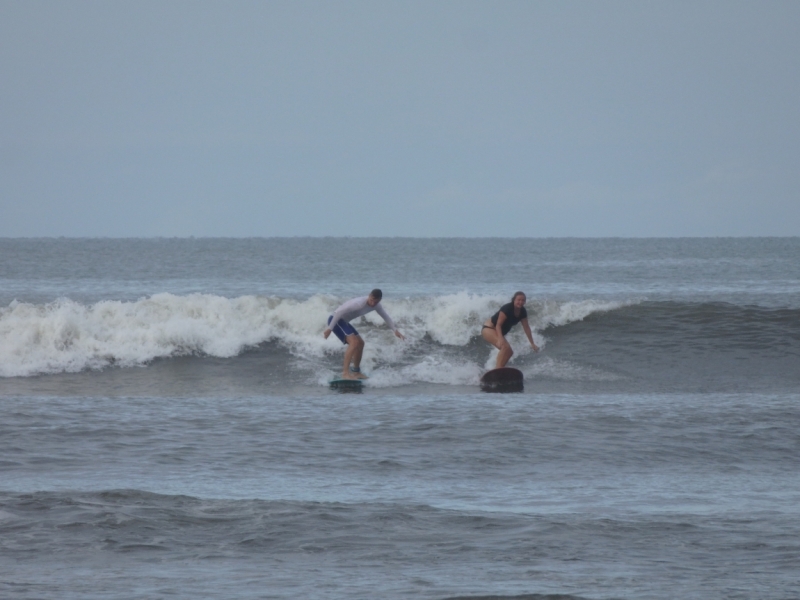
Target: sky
<point>421,119</point>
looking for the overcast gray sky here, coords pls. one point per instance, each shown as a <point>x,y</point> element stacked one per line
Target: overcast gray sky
<point>171,118</point>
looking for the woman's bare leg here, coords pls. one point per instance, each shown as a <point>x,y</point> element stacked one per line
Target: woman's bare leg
<point>505,354</point>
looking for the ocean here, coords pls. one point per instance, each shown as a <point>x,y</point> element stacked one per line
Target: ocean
<point>167,429</point>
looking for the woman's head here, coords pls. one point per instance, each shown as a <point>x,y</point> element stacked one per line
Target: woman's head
<point>518,300</point>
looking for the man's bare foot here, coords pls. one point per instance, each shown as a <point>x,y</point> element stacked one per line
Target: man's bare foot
<point>349,375</point>
<point>360,375</point>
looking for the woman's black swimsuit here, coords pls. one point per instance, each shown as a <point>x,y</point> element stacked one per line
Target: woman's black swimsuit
<point>511,318</point>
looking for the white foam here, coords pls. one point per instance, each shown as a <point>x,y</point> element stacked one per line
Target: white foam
<point>68,336</point>
<point>452,319</point>
<point>432,369</point>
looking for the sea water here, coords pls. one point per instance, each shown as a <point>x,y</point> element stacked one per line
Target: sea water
<point>166,428</point>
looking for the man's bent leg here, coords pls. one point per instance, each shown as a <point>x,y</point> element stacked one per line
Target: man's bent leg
<point>353,343</point>
<point>357,358</point>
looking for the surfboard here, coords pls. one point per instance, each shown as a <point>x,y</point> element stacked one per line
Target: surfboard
<point>504,379</point>
<point>346,385</point>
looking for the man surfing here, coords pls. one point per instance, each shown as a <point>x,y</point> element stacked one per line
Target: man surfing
<point>339,323</point>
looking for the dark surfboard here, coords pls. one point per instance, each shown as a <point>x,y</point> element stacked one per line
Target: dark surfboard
<point>504,379</point>
<point>346,385</point>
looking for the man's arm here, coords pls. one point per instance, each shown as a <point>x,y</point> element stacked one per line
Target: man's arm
<point>385,316</point>
<point>389,322</point>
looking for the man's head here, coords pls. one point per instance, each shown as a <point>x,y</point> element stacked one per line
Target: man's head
<point>374,297</point>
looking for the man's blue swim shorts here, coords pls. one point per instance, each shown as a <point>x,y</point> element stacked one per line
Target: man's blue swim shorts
<point>342,329</point>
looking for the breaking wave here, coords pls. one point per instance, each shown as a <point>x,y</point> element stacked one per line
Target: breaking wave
<point>67,336</point>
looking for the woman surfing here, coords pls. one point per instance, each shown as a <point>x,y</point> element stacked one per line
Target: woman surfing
<point>497,327</point>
